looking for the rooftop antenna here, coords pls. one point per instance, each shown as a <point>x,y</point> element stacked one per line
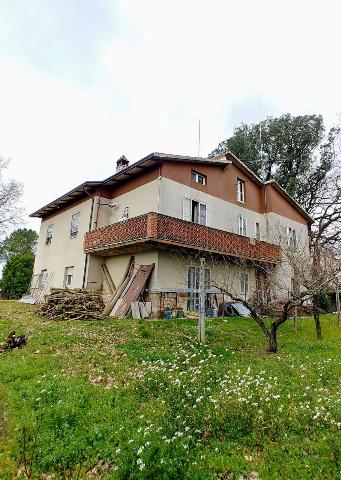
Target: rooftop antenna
<point>260,141</point>
<point>199,138</point>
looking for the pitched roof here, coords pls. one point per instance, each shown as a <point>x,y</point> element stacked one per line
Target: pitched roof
<point>154,159</point>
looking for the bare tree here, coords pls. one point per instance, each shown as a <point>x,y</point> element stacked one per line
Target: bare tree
<point>10,195</point>
<point>295,281</point>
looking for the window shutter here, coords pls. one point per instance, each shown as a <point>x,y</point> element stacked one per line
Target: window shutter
<point>202,219</point>
<point>186,209</point>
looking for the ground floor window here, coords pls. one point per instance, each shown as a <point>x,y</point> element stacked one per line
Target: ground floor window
<point>193,278</point>
<point>244,283</point>
<point>41,278</point>
<point>68,278</point>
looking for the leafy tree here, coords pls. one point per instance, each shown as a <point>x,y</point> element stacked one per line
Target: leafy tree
<point>16,275</point>
<point>292,150</point>
<point>20,241</point>
<point>10,194</point>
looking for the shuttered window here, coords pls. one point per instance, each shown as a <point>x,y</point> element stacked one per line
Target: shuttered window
<point>242,225</point>
<point>194,211</point>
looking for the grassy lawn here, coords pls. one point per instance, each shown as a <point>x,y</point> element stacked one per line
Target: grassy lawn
<point>126,399</point>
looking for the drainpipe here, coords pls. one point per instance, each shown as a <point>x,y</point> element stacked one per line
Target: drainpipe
<point>87,255</point>
<point>159,190</point>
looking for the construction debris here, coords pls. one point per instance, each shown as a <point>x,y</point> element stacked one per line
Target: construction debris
<point>13,341</point>
<point>76,304</point>
<point>141,309</point>
<point>133,291</point>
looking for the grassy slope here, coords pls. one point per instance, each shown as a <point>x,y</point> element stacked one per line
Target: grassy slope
<point>124,399</point>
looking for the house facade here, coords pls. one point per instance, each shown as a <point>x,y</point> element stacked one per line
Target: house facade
<point>169,210</point>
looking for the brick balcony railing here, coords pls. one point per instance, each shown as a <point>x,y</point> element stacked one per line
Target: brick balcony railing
<point>155,229</point>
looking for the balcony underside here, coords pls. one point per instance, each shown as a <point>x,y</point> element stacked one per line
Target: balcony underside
<point>153,231</point>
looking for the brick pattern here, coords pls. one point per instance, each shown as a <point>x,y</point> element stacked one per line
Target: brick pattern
<point>212,239</point>
<point>116,234</point>
<point>162,228</point>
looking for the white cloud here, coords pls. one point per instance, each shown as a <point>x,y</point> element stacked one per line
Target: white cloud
<point>164,66</point>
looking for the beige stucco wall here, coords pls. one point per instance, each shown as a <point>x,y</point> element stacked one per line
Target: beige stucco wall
<point>63,250</point>
<point>173,267</point>
<point>220,214</point>
<point>142,200</point>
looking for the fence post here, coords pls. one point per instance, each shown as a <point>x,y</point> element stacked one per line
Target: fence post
<point>337,297</point>
<point>201,322</point>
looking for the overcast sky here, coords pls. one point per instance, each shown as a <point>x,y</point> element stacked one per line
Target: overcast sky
<point>84,81</point>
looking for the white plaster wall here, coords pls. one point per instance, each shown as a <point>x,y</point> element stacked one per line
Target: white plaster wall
<point>277,233</point>
<point>142,200</point>
<point>172,273</point>
<point>220,214</point>
<point>118,264</point>
<point>63,250</point>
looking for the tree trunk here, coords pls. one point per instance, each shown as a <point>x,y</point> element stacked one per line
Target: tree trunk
<point>272,339</point>
<point>316,314</point>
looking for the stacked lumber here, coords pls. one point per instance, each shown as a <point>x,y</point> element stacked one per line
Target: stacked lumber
<point>77,304</point>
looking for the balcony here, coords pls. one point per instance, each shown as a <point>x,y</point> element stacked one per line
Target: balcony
<point>154,230</point>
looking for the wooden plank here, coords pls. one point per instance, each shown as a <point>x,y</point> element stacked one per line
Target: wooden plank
<point>143,310</point>
<point>117,305</point>
<point>135,289</point>
<point>148,306</point>
<point>135,310</point>
<point>108,278</point>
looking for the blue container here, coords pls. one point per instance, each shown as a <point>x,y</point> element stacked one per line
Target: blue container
<point>168,314</point>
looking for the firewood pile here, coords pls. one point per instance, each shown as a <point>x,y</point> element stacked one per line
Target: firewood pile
<point>76,304</point>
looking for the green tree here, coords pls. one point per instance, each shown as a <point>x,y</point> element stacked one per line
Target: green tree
<point>294,150</point>
<point>16,275</point>
<point>20,241</point>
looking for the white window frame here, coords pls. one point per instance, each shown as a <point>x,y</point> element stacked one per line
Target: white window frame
<point>187,213</point>
<point>193,292</point>
<point>68,275</point>
<point>49,234</point>
<point>74,226</point>
<point>125,214</point>
<point>196,176</point>
<point>244,283</point>
<point>242,226</point>
<point>240,190</point>
<point>257,230</point>
<point>291,237</point>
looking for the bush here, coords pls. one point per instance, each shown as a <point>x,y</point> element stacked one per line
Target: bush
<point>324,302</point>
<point>17,275</point>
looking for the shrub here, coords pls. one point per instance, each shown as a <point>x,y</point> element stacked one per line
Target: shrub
<point>324,302</point>
<point>17,275</point>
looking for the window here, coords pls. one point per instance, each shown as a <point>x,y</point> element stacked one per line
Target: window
<point>193,279</point>
<point>240,190</point>
<point>49,234</point>
<point>242,230</point>
<point>291,237</point>
<point>257,231</point>
<point>125,214</point>
<point>68,276</point>
<point>244,283</point>
<point>198,177</point>
<point>194,211</point>
<point>74,225</point>
<point>41,278</point>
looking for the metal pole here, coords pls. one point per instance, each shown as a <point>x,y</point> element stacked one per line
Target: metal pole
<point>338,309</point>
<point>201,322</point>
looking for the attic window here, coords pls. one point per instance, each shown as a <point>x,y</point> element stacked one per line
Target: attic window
<point>240,190</point>
<point>198,178</point>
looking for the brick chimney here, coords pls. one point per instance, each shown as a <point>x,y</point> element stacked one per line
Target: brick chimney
<point>122,163</point>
